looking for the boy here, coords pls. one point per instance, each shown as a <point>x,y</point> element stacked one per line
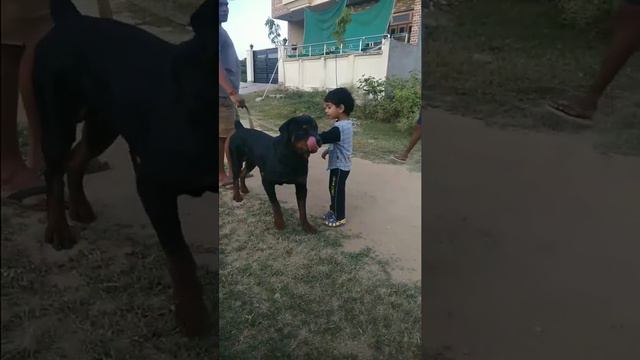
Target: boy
<point>338,105</point>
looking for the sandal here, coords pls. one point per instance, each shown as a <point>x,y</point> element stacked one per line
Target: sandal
<point>18,198</point>
<point>571,112</point>
<point>398,158</point>
<point>22,194</point>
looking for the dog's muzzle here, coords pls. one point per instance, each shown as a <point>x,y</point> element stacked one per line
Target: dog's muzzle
<point>312,145</point>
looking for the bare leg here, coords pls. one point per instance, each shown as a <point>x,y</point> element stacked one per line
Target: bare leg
<point>34,156</point>
<point>415,137</point>
<point>15,174</point>
<point>625,42</point>
<point>222,174</point>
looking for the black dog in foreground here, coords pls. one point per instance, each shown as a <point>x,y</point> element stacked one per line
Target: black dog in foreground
<point>282,160</point>
<point>123,81</point>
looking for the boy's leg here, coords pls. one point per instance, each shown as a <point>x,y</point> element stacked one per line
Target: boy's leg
<point>340,194</point>
<point>333,178</point>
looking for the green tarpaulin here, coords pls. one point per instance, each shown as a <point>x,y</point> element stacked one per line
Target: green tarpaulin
<point>366,27</point>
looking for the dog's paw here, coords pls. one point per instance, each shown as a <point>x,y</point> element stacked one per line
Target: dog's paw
<point>82,212</point>
<point>237,197</point>
<point>60,238</point>
<point>192,318</point>
<point>309,229</point>
<point>279,223</point>
<point>244,189</point>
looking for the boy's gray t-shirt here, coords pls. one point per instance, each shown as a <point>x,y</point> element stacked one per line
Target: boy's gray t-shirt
<point>229,60</point>
<point>340,152</point>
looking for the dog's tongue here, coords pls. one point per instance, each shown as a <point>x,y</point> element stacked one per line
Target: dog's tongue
<point>312,145</point>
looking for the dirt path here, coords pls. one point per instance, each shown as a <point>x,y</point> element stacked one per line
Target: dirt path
<point>531,244</point>
<point>383,209</point>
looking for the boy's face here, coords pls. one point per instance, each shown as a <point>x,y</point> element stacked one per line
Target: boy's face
<point>332,111</point>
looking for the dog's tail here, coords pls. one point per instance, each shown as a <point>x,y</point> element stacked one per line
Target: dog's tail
<point>63,11</point>
<point>238,125</point>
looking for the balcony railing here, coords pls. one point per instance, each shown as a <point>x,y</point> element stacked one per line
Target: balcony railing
<point>358,45</point>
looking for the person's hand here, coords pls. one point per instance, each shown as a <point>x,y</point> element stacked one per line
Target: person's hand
<point>238,100</point>
<point>324,154</point>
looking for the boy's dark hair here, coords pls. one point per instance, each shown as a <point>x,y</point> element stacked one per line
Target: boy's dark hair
<point>341,96</point>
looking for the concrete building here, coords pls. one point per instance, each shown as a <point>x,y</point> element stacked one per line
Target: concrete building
<point>323,65</point>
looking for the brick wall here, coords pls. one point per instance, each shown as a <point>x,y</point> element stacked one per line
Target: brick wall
<point>403,5</point>
<point>416,23</point>
<point>277,8</point>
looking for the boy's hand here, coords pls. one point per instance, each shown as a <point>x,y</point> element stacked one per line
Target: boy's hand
<point>324,154</point>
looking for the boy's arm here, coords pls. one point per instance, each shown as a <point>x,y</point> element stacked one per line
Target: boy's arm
<point>330,136</point>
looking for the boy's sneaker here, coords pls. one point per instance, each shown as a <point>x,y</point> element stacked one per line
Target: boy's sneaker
<point>329,215</point>
<point>331,221</point>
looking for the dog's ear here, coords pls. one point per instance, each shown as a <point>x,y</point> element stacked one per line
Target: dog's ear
<point>204,21</point>
<point>285,129</point>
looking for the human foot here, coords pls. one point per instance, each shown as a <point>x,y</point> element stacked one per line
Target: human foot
<point>400,157</point>
<point>224,180</point>
<point>578,110</point>
<point>22,183</point>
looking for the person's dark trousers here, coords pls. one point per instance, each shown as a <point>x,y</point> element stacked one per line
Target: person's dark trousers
<point>337,184</point>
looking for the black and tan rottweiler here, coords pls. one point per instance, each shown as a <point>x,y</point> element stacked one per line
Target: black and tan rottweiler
<point>283,159</point>
<point>160,97</point>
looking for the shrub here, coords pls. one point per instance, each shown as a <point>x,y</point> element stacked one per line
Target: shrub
<point>395,100</point>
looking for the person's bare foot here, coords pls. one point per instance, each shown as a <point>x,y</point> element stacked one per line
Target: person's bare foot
<point>224,180</point>
<point>21,182</point>
<point>579,110</point>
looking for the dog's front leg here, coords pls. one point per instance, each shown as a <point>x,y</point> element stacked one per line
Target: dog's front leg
<point>278,218</point>
<point>301,196</point>
<point>162,208</point>
<point>58,232</point>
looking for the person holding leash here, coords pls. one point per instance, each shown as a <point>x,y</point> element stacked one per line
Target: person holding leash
<point>228,97</point>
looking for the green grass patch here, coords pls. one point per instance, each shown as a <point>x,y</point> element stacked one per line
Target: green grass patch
<point>288,295</point>
<point>103,302</point>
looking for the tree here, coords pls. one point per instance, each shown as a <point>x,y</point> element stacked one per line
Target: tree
<point>273,32</point>
<point>341,29</point>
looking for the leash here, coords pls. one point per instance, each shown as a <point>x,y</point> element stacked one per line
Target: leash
<point>250,119</point>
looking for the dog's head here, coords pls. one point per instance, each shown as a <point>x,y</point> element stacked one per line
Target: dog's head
<point>301,132</point>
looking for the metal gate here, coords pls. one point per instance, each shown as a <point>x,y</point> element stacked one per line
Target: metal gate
<point>264,63</point>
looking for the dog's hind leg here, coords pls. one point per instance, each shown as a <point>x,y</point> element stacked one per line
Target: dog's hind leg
<point>236,156</point>
<point>162,208</point>
<point>301,197</point>
<point>97,136</point>
<point>278,218</point>
<point>248,166</point>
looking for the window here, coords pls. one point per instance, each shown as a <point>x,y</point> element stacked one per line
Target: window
<point>401,18</point>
